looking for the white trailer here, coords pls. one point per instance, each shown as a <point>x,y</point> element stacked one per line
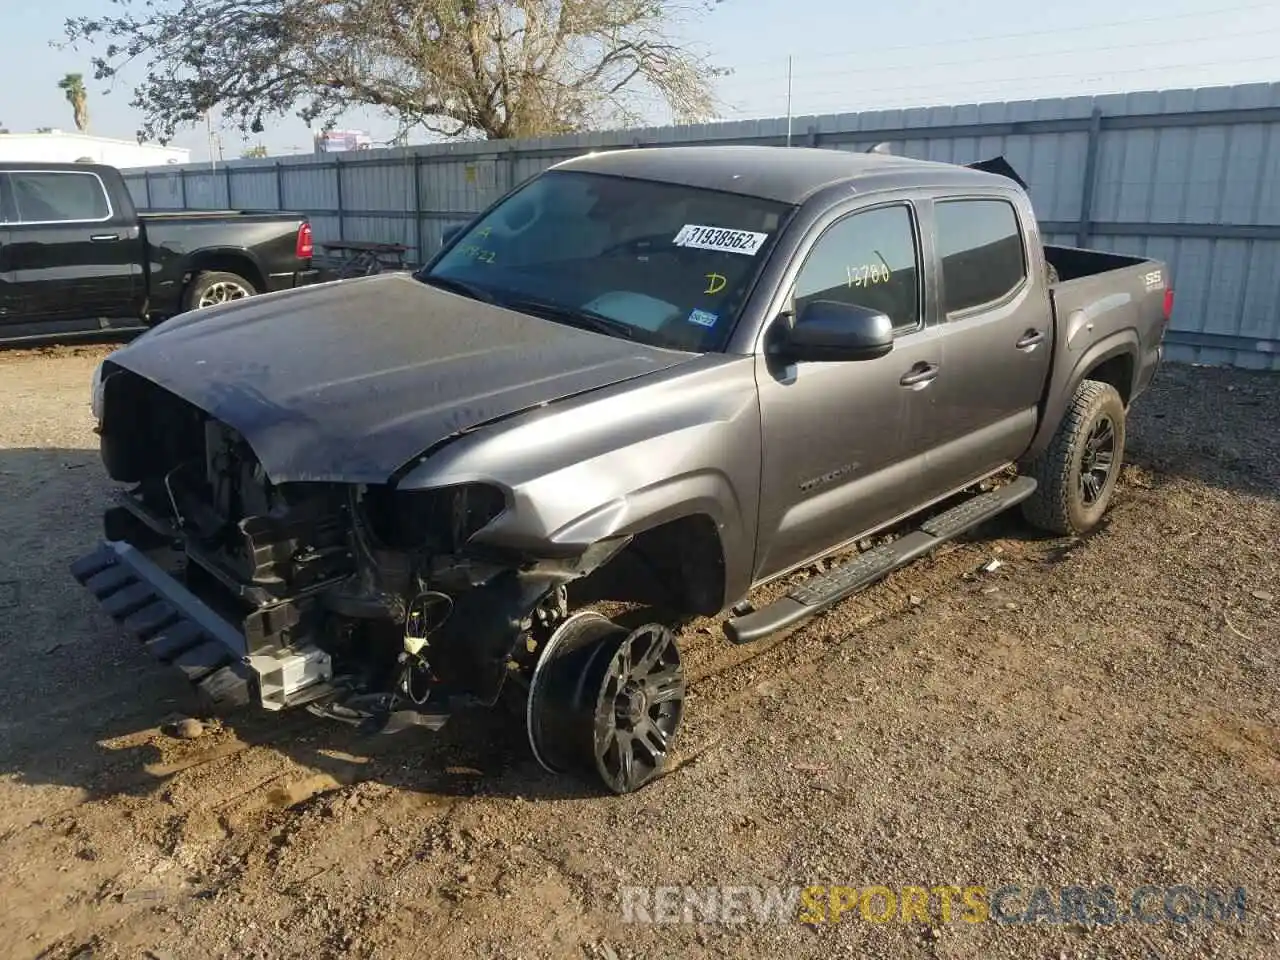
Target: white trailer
<point>57,146</point>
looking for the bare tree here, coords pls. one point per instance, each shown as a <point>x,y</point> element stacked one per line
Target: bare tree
<point>493,68</point>
<point>72,86</point>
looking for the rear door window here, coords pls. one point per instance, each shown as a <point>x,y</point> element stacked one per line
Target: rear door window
<point>51,196</point>
<point>983,256</point>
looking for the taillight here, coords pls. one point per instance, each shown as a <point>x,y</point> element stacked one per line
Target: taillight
<point>306,243</point>
<point>1168,304</point>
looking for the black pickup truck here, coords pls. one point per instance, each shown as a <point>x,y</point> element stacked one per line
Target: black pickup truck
<point>76,256</point>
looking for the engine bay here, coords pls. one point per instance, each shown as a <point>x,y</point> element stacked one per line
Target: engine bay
<point>364,602</point>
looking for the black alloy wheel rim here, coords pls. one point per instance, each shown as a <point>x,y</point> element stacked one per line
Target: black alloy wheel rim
<point>639,708</point>
<point>606,701</point>
<point>1098,460</point>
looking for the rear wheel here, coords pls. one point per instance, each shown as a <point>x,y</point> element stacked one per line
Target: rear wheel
<point>213,287</point>
<point>1077,473</point>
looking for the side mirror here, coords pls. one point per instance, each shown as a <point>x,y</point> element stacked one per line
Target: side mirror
<point>446,237</point>
<point>831,330</point>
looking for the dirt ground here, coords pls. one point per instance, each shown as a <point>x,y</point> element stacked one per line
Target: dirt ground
<point>1101,712</point>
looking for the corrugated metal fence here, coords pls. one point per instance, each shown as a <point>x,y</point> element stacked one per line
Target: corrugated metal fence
<point>1191,177</point>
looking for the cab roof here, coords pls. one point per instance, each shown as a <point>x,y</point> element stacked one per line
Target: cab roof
<point>55,166</point>
<point>785,174</point>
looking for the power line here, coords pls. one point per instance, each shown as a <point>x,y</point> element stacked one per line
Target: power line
<point>1020,35</point>
<point>760,81</point>
<point>1026,80</point>
<point>1074,75</point>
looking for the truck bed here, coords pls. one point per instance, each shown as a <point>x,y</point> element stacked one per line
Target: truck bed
<point>1112,290</point>
<point>1101,302</point>
<point>1074,263</point>
<point>156,216</point>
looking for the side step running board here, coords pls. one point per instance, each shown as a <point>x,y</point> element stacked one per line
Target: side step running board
<point>820,593</point>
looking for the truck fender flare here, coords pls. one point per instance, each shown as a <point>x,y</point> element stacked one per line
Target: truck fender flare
<point>191,262</point>
<point>1062,387</point>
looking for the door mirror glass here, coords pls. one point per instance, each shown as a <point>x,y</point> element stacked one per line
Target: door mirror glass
<point>835,330</point>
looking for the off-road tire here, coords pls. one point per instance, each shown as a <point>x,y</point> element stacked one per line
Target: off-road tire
<point>1060,504</point>
<point>207,280</point>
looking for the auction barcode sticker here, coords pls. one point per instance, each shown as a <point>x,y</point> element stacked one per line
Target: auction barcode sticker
<point>720,238</point>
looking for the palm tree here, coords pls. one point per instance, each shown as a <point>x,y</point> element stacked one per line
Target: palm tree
<point>72,86</point>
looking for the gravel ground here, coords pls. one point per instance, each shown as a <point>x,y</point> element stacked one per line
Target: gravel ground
<point>1094,713</point>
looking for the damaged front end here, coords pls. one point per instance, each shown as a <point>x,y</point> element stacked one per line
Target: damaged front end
<point>365,603</point>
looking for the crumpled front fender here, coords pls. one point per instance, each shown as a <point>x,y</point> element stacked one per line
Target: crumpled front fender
<point>621,461</point>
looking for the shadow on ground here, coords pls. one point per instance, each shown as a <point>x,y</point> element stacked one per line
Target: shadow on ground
<point>1215,425</point>
<point>62,343</point>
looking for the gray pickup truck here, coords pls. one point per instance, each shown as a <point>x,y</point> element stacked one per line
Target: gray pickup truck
<point>652,380</point>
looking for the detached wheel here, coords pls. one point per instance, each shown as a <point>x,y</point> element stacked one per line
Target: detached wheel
<point>212,287</point>
<point>1077,474</point>
<point>606,702</point>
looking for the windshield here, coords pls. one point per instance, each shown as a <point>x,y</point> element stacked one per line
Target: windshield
<point>655,262</point>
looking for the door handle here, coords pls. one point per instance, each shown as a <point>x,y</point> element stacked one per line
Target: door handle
<point>1030,340</point>
<point>104,238</point>
<point>921,375</point>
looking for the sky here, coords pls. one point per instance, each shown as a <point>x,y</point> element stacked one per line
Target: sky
<point>844,57</point>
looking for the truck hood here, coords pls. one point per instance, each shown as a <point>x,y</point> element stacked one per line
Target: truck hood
<point>350,381</point>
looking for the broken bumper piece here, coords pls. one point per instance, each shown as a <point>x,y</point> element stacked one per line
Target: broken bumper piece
<point>178,628</point>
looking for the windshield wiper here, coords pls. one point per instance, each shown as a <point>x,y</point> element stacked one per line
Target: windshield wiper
<point>573,316</point>
<point>458,286</point>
